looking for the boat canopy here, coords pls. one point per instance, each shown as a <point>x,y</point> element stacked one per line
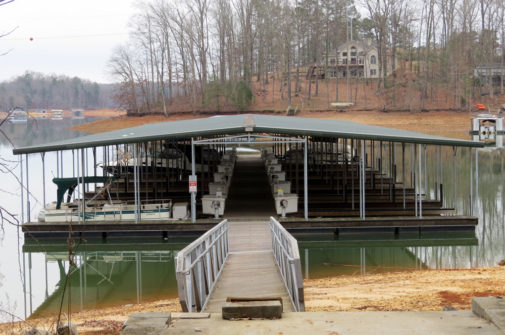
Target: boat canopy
<point>69,184</point>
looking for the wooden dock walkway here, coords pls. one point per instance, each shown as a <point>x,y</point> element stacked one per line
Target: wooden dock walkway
<point>250,270</point>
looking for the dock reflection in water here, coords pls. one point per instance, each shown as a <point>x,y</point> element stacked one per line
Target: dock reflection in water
<point>105,274</point>
<point>140,270</point>
<point>323,256</point>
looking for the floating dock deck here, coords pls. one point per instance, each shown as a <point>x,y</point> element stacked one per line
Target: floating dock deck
<point>250,198</point>
<point>396,224</point>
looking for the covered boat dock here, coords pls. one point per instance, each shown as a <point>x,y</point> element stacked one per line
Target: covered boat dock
<point>184,176</point>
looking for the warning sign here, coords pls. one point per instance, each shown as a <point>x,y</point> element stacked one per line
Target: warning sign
<point>192,184</point>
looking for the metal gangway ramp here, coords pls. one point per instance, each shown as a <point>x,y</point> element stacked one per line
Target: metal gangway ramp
<point>253,259</point>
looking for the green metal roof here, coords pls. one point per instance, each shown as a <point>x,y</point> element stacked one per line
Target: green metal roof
<point>238,124</point>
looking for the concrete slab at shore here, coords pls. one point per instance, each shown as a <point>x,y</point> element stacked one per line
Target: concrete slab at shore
<point>348,323</point>
<point>491,309</point>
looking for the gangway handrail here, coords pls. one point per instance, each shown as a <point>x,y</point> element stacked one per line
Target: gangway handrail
<point>287,256</point>
<point>199,265</point>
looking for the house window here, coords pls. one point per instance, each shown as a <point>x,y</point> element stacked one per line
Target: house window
<point>373,72</point>
<point>373,59</point>
<point>344,54</point>
<point>332,61</point>
<point>344,61</point>
<point>353,60</point>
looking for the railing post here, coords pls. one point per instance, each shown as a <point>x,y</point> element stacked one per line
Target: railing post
<point>189,286</point>
<point>286,254</point>
<point>199,265</point>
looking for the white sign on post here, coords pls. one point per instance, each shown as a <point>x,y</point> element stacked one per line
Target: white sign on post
<point>192,184</point>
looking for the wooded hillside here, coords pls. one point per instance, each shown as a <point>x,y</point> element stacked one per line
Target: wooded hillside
<point>35,90</point>
<point>218,54</point>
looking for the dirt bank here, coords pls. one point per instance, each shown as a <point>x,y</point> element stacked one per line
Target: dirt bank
<point>102,321</point>
<point>427,290</point>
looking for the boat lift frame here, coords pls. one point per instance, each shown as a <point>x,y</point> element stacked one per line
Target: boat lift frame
<point>252,139</point>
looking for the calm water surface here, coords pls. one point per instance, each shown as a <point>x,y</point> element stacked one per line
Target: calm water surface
<point>122,271</point>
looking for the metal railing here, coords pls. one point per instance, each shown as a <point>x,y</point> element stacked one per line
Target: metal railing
<point>287,256</point>
<point>199,265</point>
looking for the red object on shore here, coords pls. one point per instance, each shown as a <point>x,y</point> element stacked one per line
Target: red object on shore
<point>480,107</point>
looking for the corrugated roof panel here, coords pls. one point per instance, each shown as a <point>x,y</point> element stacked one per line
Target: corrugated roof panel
<point>348,129</point>
<point>235,124</point>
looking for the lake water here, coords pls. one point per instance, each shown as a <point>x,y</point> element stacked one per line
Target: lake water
<point>122,271</point>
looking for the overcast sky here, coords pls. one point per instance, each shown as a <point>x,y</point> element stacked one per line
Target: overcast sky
<point>70,37</point>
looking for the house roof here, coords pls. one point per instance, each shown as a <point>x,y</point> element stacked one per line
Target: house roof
<point>245,123</point>
<point>359,44</point>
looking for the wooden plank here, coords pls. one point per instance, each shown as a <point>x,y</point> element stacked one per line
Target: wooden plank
<point>250,270</point>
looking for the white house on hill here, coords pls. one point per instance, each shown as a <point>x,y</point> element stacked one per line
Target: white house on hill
<point>353,59</point>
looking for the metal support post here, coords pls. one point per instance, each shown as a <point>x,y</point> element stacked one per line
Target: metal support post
<point>403,173</point>
<point>61,164</point>
<point>86,173</point>
<point>420,172</point>
<point>437,182</point>
<point>43,156</point>
<point>135,182</point>
<point>425,172</point>
<point>94,161</point>
<point>57,164</point>
<point>193,174</point>
<point>413,177</point>
<point>82,186</point>
<point>22,189</point>
<point>352,174</point>
<point>471,183</point>
<point>454,153</point>
<point>28,209</point>
<point>360,176</point>
<point>362,180</point>
<point>476,177</point>
<point>305,182</point>
<point>79,204</point>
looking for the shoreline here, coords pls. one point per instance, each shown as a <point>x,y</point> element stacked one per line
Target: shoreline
<point>419,290</point>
